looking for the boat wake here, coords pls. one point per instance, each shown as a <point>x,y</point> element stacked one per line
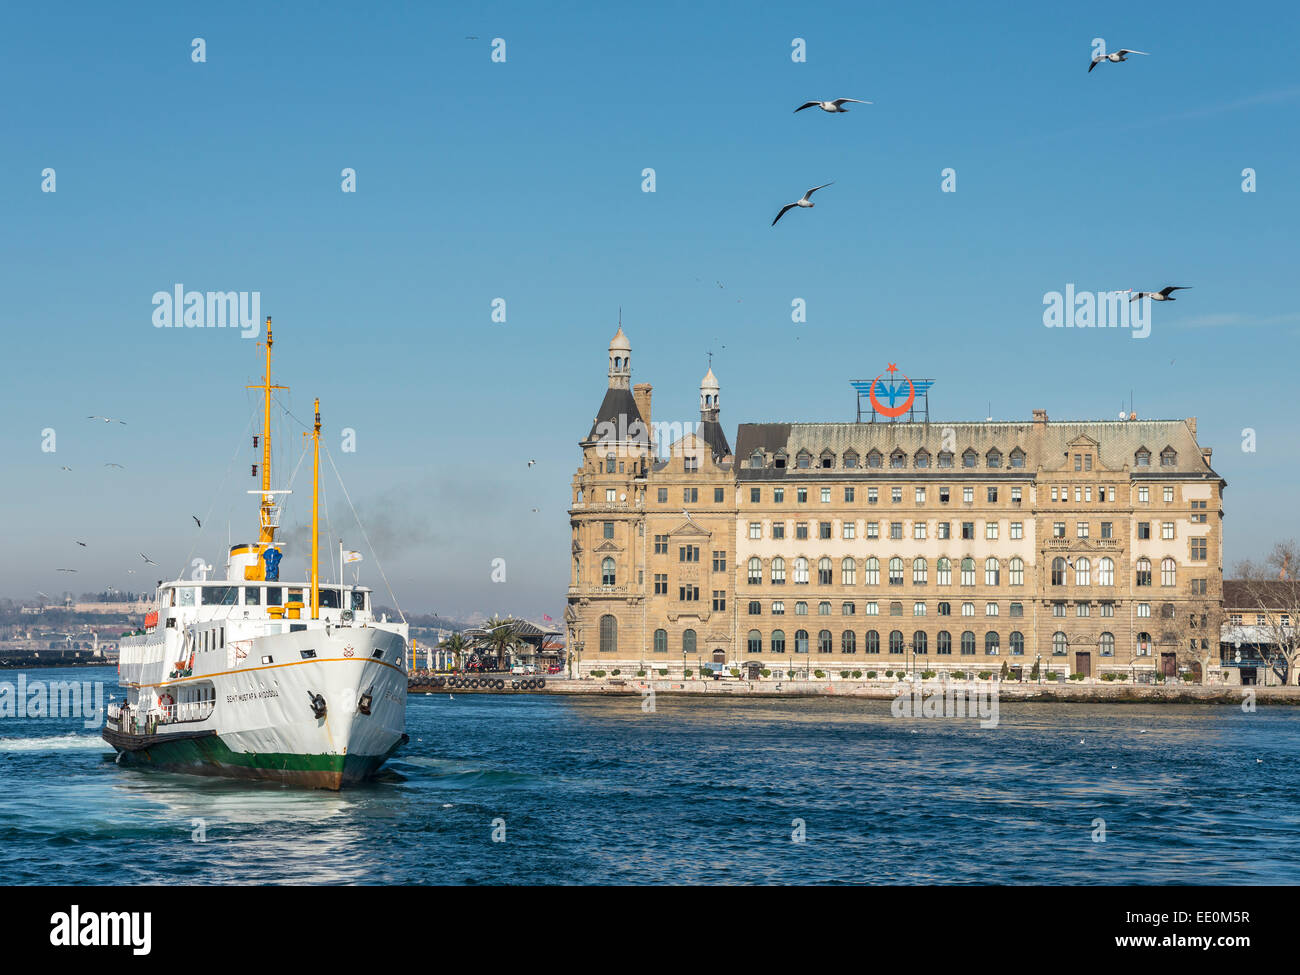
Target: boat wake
<point>53,743</point>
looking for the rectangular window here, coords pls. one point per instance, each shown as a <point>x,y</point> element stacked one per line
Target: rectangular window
<point>823,529</point>
<point>990,529</point>
<point>993,495</point>
<point>691,465</point>
<point>663,495</point>
<point>755,495</point>
<point>1107,529</point>
<point>690,495</point>
<point>1144,494</point>
<point>920,495</point>
<point>944,529</point>
<point>896,495</point>
<point>918,530</point>
<point>801,495</point>
<point>661,545</point>
<point>688,553</point>
<point>718,495</point>
<point>778,495</point>
<point>719,561</point>
<point>873,495</point>
<point>826,495</point>
<point>755,530</point>
<point>1016,495</point>
<point>801,529</point>
<point>1017,530</point>
<point>661,584</point>
<point>850,529</point>
<point>1078,494</point>
<point>1058,529</point>
<point>1166,530</point>
<point>873,529</point>
<point>1144,529</point>
<point>943,495</point>
<point>1107,609</point>
<point>1198,549</point>
<point>1054,498</point>
<point>1169,495</point>
<point>719,600</point>
<point>1087,493</point>
<point>968,529</point>
<point>688,594</point>
<point>1083,609</point>
<point>1081,529</point>
<point>778,529</point>
<point>848,494</point>
<point>968,494</point>
<point>609,529</point>
<point>895,529</point>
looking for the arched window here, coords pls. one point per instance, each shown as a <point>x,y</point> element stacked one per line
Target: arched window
<point>824,571</point>
<point>608,634</point>
<point>1144,644</point>
<point>1106,645</point>
<point>824,643</point>
<point>800,641</point>
<point>778,571</point>
<point>755,571</point>
<point>1059,644</point>
<point>943,572</point>
<point>895,641</point>
<point>688,642</point>
<point>1016,571</point>
<point>895,571</point>
<point>968,571</point>
<point>967,609</point>
<point>1082,572</point>
<point>778,641</point>
<point>871,644</point>
<point>1168,572</point>
<point>1105,571</point>
<point>607,572</point>
<point>920,642</point>
<point>871,572</point>
<point>849,572</point>
<point>992,646</point>
<point>943,644</point>
<point>801,571</point>
<point>920,571</point>
<point>824,608</point>
<point>1017,643</point>
<point>967,643</point>
<point>848,642</point>
<point>801,608</point>
<point>1058,571</point>
<point>992,572</point>
<point>1144,572</point>
<point>661,641</point>
<point>754,645</point>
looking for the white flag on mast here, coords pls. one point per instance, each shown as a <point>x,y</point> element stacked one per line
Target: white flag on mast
<point>351,556</point>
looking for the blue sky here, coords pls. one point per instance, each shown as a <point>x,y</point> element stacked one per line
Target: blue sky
<point>522,180</point>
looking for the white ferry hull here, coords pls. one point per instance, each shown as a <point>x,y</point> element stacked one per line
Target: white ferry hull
<point>263,725</point>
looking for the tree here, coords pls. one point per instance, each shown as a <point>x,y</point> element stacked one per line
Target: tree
<point>1272,591</point>
<point>501,638</point>
<point>456,644</point>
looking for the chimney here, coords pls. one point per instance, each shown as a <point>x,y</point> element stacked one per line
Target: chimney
<point>1191,425</point>
<point>1206,453</point>
<point>1040,418</point>
<point>641,395</point>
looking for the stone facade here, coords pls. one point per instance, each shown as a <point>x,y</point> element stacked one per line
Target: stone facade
<point>1089,547</point>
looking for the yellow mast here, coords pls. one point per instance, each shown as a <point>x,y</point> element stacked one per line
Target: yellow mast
<point>266,533</point>
<point>315,515</point>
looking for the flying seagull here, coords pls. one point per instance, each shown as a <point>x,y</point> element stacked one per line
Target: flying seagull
<point>65,570</point>
<point>82,544</point>
<point>531,463</point>
<point>1164,294</point>
<point>833,106</point>
<point>196,520</point>
<point>67,468</point>
<point>107,419</point>
<point>1120,55</point>
<point>147,559</point>
<point>804,201</point>
<point>118,466</point>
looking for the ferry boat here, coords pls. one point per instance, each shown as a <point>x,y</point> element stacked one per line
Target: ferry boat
<point>259,677</point>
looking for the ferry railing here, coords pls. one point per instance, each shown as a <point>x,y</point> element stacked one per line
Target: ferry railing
<point>187,711</point>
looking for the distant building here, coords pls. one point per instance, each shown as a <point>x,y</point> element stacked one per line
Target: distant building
<point>1258,630</point>
<point>1090,546</point>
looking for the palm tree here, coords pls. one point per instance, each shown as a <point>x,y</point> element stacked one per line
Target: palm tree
<point>500,638</point>
<point>456,644</point>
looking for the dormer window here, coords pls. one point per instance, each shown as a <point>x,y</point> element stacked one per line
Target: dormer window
<point>922,458</point>
<point>1168,457</point>
<point>827,460</point>
<point>756,460</point>
<point>1017,458</point>
<point>969,458</point>
<point>803,460</point>
<point>897,460</point>
<point>850,458</point>
<point>945,458</point>
<point>874,458</point>
<point>779,461</point>
<point>1142,458</point>
<point>993,458</point>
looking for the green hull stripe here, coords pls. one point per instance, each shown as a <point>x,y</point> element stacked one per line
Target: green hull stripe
<point>215,754</point>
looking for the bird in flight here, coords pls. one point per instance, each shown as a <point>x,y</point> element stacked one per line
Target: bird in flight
<point>107,419</point>
<point>67,468</point>
<point>531,463</point>
<point>196,520</point>
<point>65,570</point>
<point>1115,58</point>
<point>147,559</point>
<point>1164,294</point>
<point>803,201</point>
<point>833,107</point>
<point>118,466</point>
<point>81,543</point>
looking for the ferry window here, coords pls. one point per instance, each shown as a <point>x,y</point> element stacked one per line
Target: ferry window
<point>220,595</point>
<point>274,596</point>
<point>187,596</point>
<point>358,600</point>
<point>329,599</point>
<point>172,598</point>
<point>253,596</point>
<point>307,654</point>
<point>295,595</point>
<point>221,636</point>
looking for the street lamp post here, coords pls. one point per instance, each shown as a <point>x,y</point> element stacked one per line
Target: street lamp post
<point>1038,666</point>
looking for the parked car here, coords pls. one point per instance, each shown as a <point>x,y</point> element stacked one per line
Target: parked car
<point>527,669</point>
<point>555,669</point>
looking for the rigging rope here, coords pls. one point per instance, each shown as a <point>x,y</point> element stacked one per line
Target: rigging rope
<point>357,517</point>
